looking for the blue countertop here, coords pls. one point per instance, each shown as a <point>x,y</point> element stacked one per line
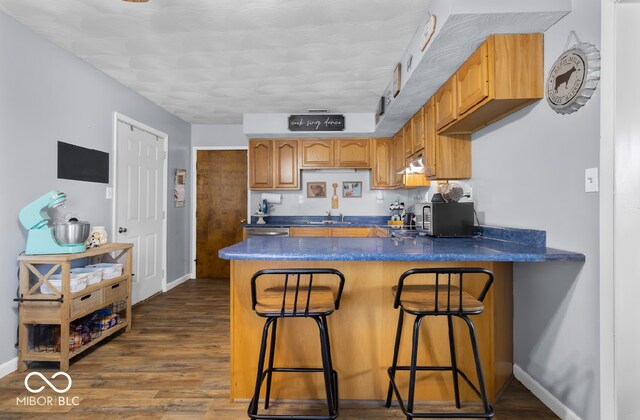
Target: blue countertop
<point>494,244</point>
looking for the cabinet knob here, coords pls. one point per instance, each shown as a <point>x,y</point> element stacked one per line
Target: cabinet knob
<point>122,230</point>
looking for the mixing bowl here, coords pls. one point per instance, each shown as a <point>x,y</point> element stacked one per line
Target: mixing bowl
<point>72,232</point>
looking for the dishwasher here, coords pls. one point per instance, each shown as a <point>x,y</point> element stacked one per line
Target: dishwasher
<point>253,232</point>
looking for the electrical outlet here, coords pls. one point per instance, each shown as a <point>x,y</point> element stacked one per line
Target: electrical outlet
<point>301,199</point>
<point>591,180</point>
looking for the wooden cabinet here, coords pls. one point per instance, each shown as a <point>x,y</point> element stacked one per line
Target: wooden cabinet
<point>382,174</point>
<point>417,130</point>
<point>340,232</point>
<point>429,129</point>
<point>353,153</point>
<point>446,110</point>
<point>273,164</point>
<point>317,153</point>
<point>407,135</point>
<point>380,232</point>
<point>260,164</point>
<point>398,158</point>
<point>502,76</point>
<point>286,171</point>
<point>44,319</point>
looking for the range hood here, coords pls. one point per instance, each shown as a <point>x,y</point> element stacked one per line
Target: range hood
<point>416,166</point>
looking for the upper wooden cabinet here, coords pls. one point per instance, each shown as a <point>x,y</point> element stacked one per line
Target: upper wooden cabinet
<point>429,129</point>
<point>273,164</point>
<point>353,153</point>
<point>317,153</point>
<point>417,129</point>
<point>382,175</point>
<point>398,158</point>
<point>286,171</point>
<point>407,135</point>
<point>502,76</point>
<point>446,110</point>
<point>261,164</point>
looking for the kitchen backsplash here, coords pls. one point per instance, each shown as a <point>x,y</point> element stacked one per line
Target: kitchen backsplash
<point>367,205</point>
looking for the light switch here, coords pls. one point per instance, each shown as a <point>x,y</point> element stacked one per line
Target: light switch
<point>109,193</point>
<point>591,180</point>
<point>300,199</point>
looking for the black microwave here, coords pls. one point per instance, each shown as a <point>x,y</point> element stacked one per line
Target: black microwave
<point>448,219</point>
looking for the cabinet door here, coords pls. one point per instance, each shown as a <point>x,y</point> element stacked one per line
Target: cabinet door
<point>430,140</point>
<point>417,125</point>
<point>310,231</point>
<point>398,158</point>
<point>353,153</point>
<point>286,173</point>
<point>472,80</point>
<point>446,109</point>
<point>407,138</point>
<point>316,154</point>
<point>352,232</point>
<point>381,172</point>
<point>260,164</point>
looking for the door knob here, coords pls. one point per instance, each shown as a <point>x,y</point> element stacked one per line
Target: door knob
<point>243,221</point>
<point>122,230</point>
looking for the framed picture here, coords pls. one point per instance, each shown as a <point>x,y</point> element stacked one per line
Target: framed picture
<point>397,80</point>
<point>179,187</point>
<point>316,189</point>
<point>351,189</point>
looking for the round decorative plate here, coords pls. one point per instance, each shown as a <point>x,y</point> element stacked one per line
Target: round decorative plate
<point>573,78</point>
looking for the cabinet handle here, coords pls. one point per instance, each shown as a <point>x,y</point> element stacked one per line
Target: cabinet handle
<point>115,286</point>
<point>85,297</point>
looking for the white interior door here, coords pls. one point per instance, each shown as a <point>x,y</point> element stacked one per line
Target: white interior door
<point>139,204</point>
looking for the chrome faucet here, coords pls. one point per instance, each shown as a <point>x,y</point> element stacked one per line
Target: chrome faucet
<point>328,214</point>
<point>341,218</point>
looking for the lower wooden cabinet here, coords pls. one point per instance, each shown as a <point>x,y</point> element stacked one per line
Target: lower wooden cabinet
<point>340,232</point>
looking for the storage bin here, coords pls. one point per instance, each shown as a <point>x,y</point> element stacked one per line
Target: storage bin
<point>86,303</point>
<point>109,270</point>
<point>78,282</point>
<point>115,291</point>
<point>94,275</point>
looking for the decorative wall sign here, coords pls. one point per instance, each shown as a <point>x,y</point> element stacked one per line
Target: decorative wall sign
<point>351,189</point>
<point>573,77</point>
<point>396,80</point>
<point>320,122</point>
<point>316,189</point>
<point>427,31</point>
<point>82,164</point>
<point>380,110</point>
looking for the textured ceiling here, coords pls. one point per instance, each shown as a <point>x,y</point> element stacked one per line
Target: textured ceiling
<point>210,61</point>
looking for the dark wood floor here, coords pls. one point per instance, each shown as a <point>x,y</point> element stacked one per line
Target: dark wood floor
<point>175,365</point>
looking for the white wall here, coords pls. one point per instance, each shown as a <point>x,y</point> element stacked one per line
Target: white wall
<point>528,171</point>
<point>218,135</point>
<point>627,209</point>
<point>49,95</point>
<point>367,205</point>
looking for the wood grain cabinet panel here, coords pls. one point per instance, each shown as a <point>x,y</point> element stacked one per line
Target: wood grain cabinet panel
<point>310,231</point>
<point>381,170</point>
<point>341,232</point>
<point>261,164</point>
<point>417,129</point>
<point>407,138</point>
<point>353,153</point>
<point>398,157</point>
<point>287,173</point>
<point>430,146</point>
<point>352,232</point>
<point>445,103</point>
<point>317,153</point>
<point>512,66</point>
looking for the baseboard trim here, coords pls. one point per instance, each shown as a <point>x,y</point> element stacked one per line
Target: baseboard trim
<point>8,367</point>
<point>179,281</point>
<point>543,395</point>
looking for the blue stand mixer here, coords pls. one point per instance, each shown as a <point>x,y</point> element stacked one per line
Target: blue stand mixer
<point>41,238</point>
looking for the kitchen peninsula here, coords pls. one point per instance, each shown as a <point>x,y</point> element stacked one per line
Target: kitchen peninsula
<point>362,331</point>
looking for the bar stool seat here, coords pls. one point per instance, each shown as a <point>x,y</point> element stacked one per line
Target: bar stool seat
<point>422,298</point>
<point>321,301</point>
<point>447,298</point>
<point>295,296</point>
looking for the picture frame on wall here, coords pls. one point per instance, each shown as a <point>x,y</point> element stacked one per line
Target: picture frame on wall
<point>316,189</point>
<point>397,80</point>
<point>351,189</point>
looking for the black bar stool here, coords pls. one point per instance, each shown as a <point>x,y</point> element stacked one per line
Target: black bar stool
<point>445,297</point>
<point>296,296</point>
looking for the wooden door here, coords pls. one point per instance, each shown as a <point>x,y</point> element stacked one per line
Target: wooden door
<point>381,173</point>
<point>353,153</point>
<point>445,103</point>
<point>316,154</point>
<point>261,161</point>
<point>473,80</point>
<point>221,200</point>
<point>287,173</point>
<point>140,198</point>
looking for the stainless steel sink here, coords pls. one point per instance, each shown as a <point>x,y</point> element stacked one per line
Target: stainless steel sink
<point>327,222</point>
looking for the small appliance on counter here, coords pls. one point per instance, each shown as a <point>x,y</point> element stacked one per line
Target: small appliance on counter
<point>57,237</point>
<point>447,219</point>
